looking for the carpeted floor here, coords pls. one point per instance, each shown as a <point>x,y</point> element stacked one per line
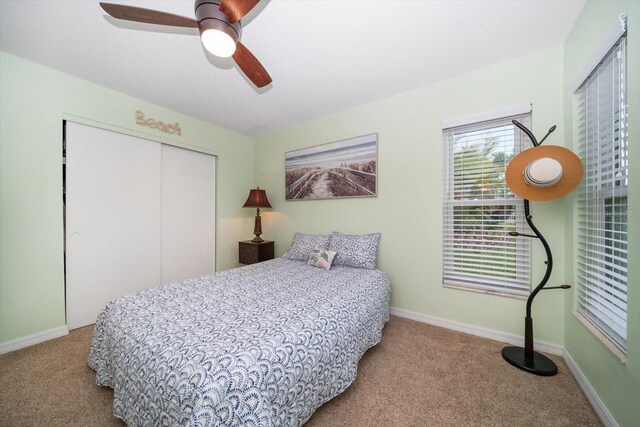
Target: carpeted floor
<point>419,375</point>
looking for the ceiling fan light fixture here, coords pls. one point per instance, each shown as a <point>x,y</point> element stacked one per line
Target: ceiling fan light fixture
<point>218,42</point>
<point>219,36</point>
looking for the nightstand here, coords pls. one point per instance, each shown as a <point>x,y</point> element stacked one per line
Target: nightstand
<point>251,252</point>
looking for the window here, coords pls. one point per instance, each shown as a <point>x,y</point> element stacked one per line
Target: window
<point>601,271</point>
<point>480,210</point>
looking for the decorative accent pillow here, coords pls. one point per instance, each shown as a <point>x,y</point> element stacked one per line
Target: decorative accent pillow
<point>360,251</point>
<point>303,243</point>
<point>319,257</point>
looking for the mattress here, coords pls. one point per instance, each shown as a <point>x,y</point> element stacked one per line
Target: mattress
<point>265,344</point>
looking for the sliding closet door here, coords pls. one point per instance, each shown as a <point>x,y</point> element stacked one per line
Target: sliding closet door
<point>188,214</point>
<point>113,226</point>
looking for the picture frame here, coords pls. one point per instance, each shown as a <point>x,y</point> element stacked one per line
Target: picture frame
<point>341,169</point>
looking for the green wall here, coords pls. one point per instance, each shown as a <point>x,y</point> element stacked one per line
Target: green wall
<point>34,100</point>
<point>617,383</point>
<point>408,209</point>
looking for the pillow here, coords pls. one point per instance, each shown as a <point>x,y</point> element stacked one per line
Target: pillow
<point>319,257</point>
<point>358,251</point>
<point>303,243</point>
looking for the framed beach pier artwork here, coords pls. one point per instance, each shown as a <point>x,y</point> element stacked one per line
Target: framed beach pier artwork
<point>346,168</point>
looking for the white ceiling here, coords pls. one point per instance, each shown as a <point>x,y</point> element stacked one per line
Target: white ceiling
<point>324,56</point>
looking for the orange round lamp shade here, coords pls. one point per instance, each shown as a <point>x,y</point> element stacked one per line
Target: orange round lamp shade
<point>544,173</point>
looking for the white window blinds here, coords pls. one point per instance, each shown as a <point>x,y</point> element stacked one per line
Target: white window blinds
<point>479,209</point>
<point>601,272</point>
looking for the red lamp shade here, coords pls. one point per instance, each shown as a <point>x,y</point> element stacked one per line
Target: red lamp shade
<point>257,199</point>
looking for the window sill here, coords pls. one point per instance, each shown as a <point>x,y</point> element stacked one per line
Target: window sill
<point>484,291</point>
<point>602,337</point>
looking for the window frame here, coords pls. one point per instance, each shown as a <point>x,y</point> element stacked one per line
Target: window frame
<point>457,278</point>
<point>600,209</point>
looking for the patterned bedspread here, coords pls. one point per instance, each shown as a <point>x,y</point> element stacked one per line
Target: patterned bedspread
<point>265,344</point>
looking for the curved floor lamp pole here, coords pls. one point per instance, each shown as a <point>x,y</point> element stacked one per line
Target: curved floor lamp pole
<point>526,358</point>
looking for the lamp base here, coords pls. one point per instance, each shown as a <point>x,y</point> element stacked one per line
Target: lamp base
<point>540,365</point>
<point>257,228</point>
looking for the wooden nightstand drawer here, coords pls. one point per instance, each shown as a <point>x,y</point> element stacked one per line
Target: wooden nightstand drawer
<point>250,252</point>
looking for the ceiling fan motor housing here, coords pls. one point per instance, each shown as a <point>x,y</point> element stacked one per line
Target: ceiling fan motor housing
<point>210,17</point>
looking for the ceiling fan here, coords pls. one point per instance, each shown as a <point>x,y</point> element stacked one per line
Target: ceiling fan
<point>220,29</point>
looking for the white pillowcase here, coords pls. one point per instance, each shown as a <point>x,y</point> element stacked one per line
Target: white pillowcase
<point>360,251</point>
<point>303,243</point>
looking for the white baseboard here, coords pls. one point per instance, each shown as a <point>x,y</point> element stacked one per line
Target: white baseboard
<point>597,403</point>
<point>27,341</point>
<point>492,334</point>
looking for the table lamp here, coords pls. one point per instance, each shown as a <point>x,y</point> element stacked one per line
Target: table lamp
<point>257,199</point>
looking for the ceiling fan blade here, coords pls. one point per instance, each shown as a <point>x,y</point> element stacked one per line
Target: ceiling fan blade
<point>148,16</point>
<point>236,9</point>
<point>251,66</point>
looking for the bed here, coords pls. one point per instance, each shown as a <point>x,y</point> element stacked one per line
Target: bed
<point>265,344</point>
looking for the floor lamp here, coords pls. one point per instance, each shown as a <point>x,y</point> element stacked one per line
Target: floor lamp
<point>539,174</point>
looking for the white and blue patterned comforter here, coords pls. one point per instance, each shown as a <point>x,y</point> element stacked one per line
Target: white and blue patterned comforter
<point>265,344</point>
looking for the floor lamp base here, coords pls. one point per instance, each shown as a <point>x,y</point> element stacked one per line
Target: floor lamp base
<point>541,364</point>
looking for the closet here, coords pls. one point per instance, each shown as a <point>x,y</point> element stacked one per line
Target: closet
<point>138,214</point>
